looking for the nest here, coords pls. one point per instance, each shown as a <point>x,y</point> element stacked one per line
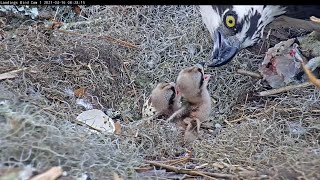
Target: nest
<point>119,53</point>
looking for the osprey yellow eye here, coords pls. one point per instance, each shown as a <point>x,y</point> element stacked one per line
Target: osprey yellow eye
<point>230,21</point>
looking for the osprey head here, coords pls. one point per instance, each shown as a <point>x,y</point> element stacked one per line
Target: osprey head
<point>236,27</point>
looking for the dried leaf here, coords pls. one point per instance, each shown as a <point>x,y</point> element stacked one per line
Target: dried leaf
<point>56,25</point>
<point>80,92</point>
<point>117,126</point>
<point>51,174</point>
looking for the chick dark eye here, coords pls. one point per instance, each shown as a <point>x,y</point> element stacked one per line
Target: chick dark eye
<point>173,90</point>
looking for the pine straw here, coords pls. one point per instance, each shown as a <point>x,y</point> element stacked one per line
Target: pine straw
<point>168,38</point>
<point>280,143</point>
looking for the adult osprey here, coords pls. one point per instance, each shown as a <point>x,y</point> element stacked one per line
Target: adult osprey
<point>235,27</point>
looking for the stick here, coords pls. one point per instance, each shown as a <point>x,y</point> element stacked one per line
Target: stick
<point>246,117</point>
<point>64,26</point>
<point>11,74</point>
<point>191,172</point>
<point>51,174</point>
<point>109,38</point>
<point>266,111</point>
<point>284,89</point>
<point>297,109</point>
<point>81,23</point>
<point>249,73</point>
<point>227,122</point>
<point>176,161</point>
<point>120,42</point>
<point>312,78</point>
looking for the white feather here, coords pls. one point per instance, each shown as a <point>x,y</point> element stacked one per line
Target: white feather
<point>210,17</point>
<point>267,16</point>
<point>244,10</point>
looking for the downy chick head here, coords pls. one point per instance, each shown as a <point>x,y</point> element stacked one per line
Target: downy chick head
<point>191,82</point>
<point>165,99</point>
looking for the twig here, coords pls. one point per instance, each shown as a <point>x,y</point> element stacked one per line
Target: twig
<point>11,74</point>
<point>191,172</point>
<point>51,174</point>
<point>142,169</point>
<point>180,170</point>
<point>201,166</point>
<point>109,38</point>
<point>253,115</point>
<point>123,43</point>
<point>227,122</point>
<point>86,125</point>
<point>246,173</point>
<point>312,78</point>
<point>176,161</point>
<point>249,73</point>
<point>246,117</point>
<point>297,109</point>
<point>284,89</point>
<point>81,23</point>
<point>272,108</point>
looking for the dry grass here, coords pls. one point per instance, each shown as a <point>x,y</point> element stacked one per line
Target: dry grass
<point>168,38</point>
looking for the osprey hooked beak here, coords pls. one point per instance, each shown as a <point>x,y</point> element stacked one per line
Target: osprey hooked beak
<point>235,27</point>
<point>224,49</point>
